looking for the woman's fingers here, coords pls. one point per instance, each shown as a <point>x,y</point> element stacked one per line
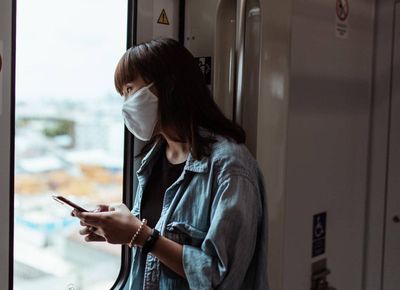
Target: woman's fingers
<point>86,230</point>
<point>94,238</point>
<point>90,218</point>
<point>119,207</point>
<point>83,224</point>
<point>98,231</point>
<point>101,208</point>
<point>88,226</point>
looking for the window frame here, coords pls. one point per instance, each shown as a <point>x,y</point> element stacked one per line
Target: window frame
<point>12,146</point>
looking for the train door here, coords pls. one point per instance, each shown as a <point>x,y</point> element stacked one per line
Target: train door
<point>391,264</point>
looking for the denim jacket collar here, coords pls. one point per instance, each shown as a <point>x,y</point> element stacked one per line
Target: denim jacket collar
<point>148,159</point>
<point>199,166</point>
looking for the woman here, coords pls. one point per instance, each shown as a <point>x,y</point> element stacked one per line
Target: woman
<point>199,219</point>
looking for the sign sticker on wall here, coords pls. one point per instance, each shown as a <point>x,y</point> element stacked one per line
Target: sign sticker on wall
<point>1,76</point>
<point>163,19</point>
<point>205,67</point>
<point>319,234</point>
<point>342,19</point>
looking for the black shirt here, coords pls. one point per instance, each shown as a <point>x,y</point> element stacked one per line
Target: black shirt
<point>163,175</point>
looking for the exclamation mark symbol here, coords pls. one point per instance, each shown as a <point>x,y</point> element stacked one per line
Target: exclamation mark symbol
<point>163,19</point>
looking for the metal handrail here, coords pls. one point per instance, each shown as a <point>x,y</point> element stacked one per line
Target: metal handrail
<point>240,42</point>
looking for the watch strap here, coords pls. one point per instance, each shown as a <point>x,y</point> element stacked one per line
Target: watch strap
<point>151,240</point>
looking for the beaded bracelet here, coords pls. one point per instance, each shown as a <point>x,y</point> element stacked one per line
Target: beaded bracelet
<point>139,230</point>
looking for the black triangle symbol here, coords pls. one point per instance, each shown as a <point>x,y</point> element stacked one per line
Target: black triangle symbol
<point>163,19</point>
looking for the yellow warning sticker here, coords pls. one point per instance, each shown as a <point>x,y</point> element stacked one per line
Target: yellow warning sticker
<point>163,19</point>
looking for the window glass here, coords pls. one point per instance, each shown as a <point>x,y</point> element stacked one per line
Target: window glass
<point>69,139</point>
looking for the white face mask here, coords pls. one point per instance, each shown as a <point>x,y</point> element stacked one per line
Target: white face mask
<point>140,113</point>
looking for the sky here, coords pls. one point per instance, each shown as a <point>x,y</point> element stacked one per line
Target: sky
<point>68,49</point>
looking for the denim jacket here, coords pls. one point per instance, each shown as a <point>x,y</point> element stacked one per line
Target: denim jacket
<point>217,210</point>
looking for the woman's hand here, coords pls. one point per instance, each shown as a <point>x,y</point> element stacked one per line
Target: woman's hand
<point>116,226</point>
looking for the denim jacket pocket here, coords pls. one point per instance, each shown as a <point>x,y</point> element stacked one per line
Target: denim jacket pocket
<point>185,234</point>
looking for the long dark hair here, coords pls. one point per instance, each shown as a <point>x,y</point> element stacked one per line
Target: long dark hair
<point>185,103</point>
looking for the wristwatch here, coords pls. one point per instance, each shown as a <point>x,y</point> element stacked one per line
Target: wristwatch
<point>151,240</point>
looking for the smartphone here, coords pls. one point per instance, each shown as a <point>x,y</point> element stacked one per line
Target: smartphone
<point>65,201</point>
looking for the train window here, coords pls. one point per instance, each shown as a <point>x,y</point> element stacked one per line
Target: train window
<point>69,139</point>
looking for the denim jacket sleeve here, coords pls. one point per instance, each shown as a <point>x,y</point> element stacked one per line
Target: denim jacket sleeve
<point>228,248</point>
